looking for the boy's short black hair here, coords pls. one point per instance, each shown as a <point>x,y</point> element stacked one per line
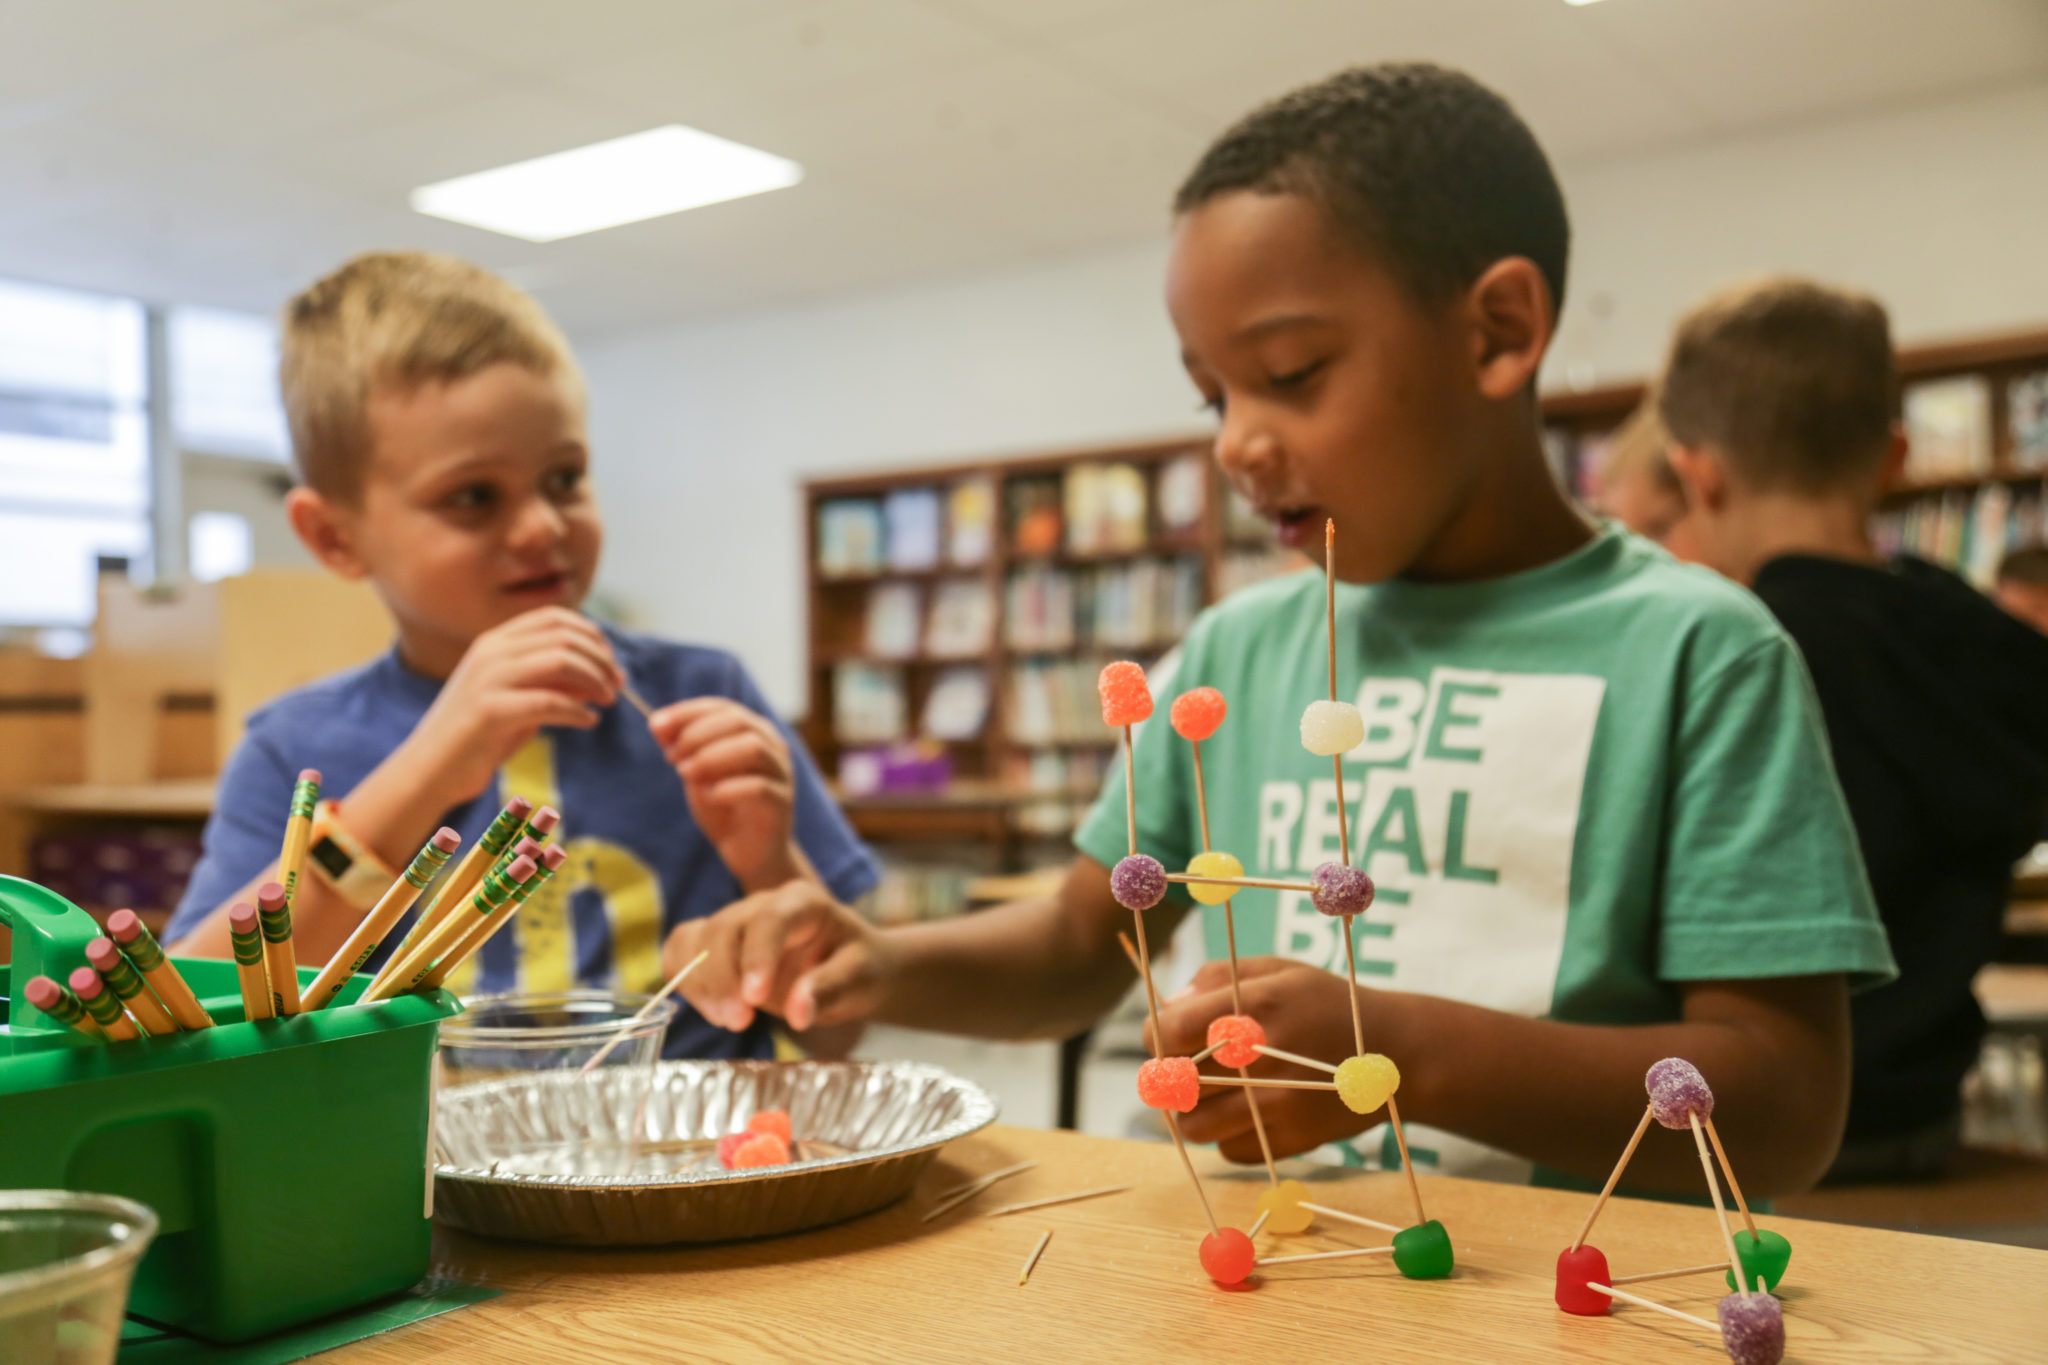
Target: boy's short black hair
<point>2027,564</point>
<point>1433,172</point>
<point>1793,382</point>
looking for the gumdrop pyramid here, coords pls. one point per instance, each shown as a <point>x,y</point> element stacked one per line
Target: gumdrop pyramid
<point>1365,1081</point>
<point>1751,1324</point>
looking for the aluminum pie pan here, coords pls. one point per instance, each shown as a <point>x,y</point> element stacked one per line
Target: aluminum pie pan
<point>580,1161</point>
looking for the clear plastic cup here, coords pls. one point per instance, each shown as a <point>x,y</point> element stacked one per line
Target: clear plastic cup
<point>65,1263</point>
<point>516,1037</point>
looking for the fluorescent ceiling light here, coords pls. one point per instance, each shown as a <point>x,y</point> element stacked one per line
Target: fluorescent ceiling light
<point>1582,2</point>
<point>642,175</point>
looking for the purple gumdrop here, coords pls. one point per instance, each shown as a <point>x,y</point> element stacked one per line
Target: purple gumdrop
<point>1752,1329</point>
<point>1138,882</point>
<point>1677,1092</point>
<point>1338,889</point>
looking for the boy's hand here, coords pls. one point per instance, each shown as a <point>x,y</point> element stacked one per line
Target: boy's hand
<point>794,952</point>
<point>549,666</point>
<point>740,784</point>
<point>1303,1009</point>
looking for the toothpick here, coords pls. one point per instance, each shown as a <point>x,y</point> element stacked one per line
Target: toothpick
<point>1173,1127</point>
<point>646,1012</point>
<point>1258,1223</point>
<point>1144,966</point>
<point>1057,1199</point>
<point>1032,1259</point>
<point>1344,1217</point>
<point>1613,1178</point>
<point>1407,1166</point>
<point>1671,1274</point>
<point>1729,1170</point>
<point>1271,884</point>
<point>1639,1301</point>
<point>1294,1057</point>
<point>1236,991</point>
<point>1206,1052</point>
<point>1267,1083</point>
<point>982,1182</point>
<point>1130,795</point>
<point>1720,1210</point>
<point>1337,767</point>
<point>1259,1127</point>
<point>627,691</point>
<point>1323,1256</point>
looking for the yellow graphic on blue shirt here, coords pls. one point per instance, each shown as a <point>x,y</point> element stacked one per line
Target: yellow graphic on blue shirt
<point>544,930</point>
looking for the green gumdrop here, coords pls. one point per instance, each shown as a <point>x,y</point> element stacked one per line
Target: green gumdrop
<point>1423,1252</point>
<point>1764,1254</point>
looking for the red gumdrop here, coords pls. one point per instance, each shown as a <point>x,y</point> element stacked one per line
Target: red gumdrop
<point>770,1121</point>
<point>1170,1083</point>
<point>761,1149</point>
<point>729,1145</point>
<point>1126,699</point>
<point>1237,1035</point>
<point>1196,714</point>
<point>1574,1269</point>
<point>1227,1255</point>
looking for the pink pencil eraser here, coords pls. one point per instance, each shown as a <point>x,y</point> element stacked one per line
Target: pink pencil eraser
<point>526,848</point>
<point>310,775</point>
<point>102,954</point>
<point>545,820</point>
<point>41,992</point>
<point>125,925</point>
<point>521,869</point>
<point>446,839</point>
<point>269,898</point>
<point>520,807</point>
<point>553,856</point>
<point>85,983</point>
<point>242,917</point>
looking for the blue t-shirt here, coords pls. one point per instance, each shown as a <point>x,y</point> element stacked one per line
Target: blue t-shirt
<point>637,866</point>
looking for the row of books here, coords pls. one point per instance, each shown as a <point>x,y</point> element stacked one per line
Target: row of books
<point>908,530</point>
<point>1949,428</point>
<point>959,625</point>
<point>1055,703</point>
<point>871,704</point>
<point>1145,602</point>
<point>1969,531</point>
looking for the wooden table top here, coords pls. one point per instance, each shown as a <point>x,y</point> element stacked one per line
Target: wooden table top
<point>1120,1281</point>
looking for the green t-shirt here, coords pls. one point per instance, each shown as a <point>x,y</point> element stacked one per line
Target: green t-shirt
<point>1579,786</point>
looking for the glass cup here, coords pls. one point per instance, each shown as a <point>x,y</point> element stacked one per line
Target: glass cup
<point>66,1260</point>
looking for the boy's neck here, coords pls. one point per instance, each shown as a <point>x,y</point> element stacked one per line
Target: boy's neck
<point>1515,518</point>
<point>1758,527</point>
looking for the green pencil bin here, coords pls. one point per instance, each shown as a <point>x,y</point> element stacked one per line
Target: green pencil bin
<point>286,1159</point>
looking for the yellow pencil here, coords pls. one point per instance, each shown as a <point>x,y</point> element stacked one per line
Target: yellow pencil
<point>497,890</point>
<point>126,984</point>
<point>456,887</point>
<point>243,927</point>
<point>274,913</point>
<point>551,860</point>
<point>101,1004</point>
<point>166,980</point>
<point>350,957</point>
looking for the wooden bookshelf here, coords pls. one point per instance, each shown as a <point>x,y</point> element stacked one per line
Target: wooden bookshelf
<point>986,801</point>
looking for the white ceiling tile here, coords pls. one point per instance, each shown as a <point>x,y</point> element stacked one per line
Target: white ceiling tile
<point>547,36</point>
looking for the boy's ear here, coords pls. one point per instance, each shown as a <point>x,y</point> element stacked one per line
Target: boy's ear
<point>1703,473</point>
<point>1513,317</point>
<point>1894,459</point>
<point>326,528</point>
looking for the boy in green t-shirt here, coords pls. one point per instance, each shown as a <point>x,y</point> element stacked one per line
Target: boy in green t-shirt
<point>1594,789</point>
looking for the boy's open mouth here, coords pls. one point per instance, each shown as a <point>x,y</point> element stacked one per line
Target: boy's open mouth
<point>539,585</point>
<point>1293,526</point>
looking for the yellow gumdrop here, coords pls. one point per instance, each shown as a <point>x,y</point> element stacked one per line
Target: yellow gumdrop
<point>1365,1083</point>
<point>1213,864</point>
<point>1281,1204</point>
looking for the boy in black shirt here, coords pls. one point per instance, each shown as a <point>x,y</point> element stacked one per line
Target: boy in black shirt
<point>1782,399</point>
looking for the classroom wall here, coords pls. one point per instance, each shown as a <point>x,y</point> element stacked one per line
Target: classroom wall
<point>703,430</point>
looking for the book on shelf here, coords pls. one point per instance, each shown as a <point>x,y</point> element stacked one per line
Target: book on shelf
<point>1054,703</point>
<point>1038,608</point>
<point>1183,491</point>
<point>1242,568</point>
<point>1965,530</point>
<point>1241,521</point>
<point>913,525</point>
<point>970,522</point>
<point>963,619</point>
<point>1105,508</point>
<point>957,706</point>
<point>850,537</point>
<point>1948,427</point>
<point>892,620</point>
<point>869,704</point>
<point>2026,409</point>
<point>1032,512</point>
<point>1145,602</point>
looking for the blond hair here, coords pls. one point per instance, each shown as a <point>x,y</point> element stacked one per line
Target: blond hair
<point>402,319</point>
<point>1793,382</point>
<point>1641,443</point>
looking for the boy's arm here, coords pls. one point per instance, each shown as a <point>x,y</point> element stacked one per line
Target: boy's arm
<point>1045,968</point>
<point>1776,1052</point>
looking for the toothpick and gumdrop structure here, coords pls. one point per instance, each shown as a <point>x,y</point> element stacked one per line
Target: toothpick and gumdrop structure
<point>1364,1081</point>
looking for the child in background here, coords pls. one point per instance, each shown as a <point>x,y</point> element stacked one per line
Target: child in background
<point>1637,487</point>
<point>1782,400</point>
<point>1594,789</point>
<point>437,423</point>
<point>2022,585</point>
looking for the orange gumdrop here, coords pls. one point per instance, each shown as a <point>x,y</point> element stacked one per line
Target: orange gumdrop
<point>770,1121</point>
<point>1126,699</point>
<point>1196,714</point>
<point>764,1149</point>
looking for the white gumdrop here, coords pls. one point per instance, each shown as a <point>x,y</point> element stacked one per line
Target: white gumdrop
<point>1331,727</point>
